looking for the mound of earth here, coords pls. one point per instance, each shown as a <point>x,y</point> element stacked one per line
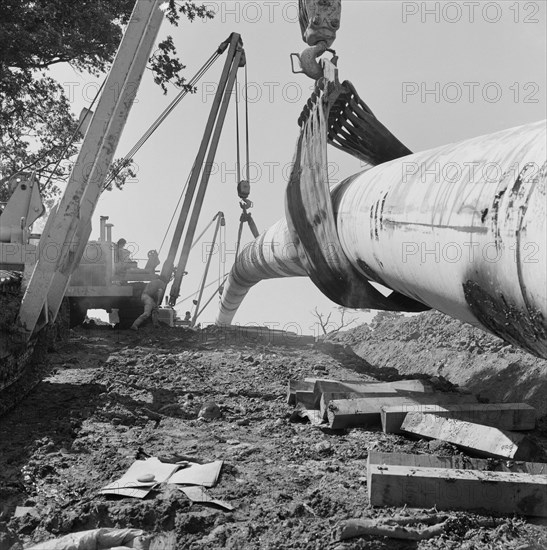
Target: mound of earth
<point>433,343</point>
<point>117,395</point>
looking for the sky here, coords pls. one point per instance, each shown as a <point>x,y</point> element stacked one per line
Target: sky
<point>432,72</point>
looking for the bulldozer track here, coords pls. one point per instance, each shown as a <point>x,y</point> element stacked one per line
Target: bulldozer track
<point>22,364</point>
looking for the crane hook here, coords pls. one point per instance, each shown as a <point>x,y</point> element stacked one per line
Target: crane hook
<point>309,64</point>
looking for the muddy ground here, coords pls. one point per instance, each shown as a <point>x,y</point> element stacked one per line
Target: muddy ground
<point>114,395</point>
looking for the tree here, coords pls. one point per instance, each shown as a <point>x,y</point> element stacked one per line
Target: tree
<point>330,327</point>
<point>36,125</point>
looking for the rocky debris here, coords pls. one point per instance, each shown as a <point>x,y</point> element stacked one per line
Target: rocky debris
<point>209,411</point>
<point>434,344</point>
<point>127,398</point>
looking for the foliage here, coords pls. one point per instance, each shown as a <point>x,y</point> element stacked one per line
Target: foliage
<point>36,124</point>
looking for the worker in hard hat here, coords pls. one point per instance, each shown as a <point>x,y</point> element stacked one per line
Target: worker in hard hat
<point>151,299</point>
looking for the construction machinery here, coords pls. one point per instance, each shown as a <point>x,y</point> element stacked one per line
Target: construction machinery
<point>62,269</point>
<point>99,278</point>
<point>348,239</point>
<point>104,280</point>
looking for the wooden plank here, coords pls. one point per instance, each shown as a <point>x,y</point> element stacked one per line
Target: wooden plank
<point>327,397</point>
<point>365,412</point>
<point>506,416</point>
<point>458,462</point>
<point>360,386</point>
<point>483,440</point>
<point>450,489</point>
<point>299,385</point>
<point>305,398</point>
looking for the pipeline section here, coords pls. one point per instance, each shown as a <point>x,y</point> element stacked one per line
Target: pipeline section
<point>460,228</point>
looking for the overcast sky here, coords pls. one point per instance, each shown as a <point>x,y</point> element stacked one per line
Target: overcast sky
<point>433,73</point>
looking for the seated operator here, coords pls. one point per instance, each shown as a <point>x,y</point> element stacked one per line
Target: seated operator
<point>122,257</point>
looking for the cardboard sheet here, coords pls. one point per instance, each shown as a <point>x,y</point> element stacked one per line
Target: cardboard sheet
<point>205,475</point>
<point>128,485</point>
<point>200,495</point>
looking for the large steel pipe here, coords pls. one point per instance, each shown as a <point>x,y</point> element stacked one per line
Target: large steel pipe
<point>460,228</point>
<point>271,256</point>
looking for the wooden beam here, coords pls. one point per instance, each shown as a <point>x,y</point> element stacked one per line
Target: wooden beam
<point>327,397</point>
<point>299,385</point>
<point>457,462</point>
<point>360,386</point>
<point>506,416</point>
<point>450,489</point>
<point>476,438</point>
<point>365,412</point>
<point>305,398</point>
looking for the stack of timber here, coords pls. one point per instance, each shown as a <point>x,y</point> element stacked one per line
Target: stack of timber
<point>413,408</point>
<point>457,483</point>
<point>357,403</point>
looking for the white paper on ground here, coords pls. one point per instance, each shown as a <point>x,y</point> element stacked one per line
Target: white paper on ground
<point>205,475</point>
<point>128,485</point>
<point>200,494</point>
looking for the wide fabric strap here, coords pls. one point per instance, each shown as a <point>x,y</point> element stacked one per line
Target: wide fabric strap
<point>308,201</point>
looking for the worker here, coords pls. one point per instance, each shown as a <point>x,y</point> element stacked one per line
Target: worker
<point>188,316</point>
<point>151,299</point>
<point>122,257</point>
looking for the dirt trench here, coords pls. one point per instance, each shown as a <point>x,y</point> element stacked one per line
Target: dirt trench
<point>114,396</point>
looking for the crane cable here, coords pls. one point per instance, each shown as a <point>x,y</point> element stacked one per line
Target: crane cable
<point>202,281</point>
<point>194,293</point>
<point>247,125</point>
<point>240,230</point>
<point>196,240</point>
<point>244,203</point>
<point>69,142</point>
<point>161,118</point>
<point>224,276</point>
<point>238,153</point>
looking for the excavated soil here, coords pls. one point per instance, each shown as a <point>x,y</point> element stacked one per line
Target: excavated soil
<point>435,344</point>
<point>115,395</point>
